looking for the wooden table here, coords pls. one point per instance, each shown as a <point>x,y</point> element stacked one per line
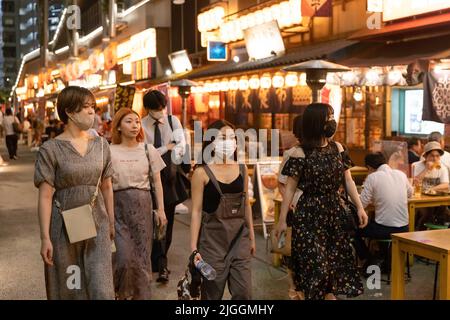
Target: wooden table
<point>423,201</point>
<point>434,245</point>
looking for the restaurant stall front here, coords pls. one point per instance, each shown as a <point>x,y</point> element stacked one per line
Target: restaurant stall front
<point>383,96</point>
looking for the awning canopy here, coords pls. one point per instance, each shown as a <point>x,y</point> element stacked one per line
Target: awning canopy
<point>367,54</point>
<point>315,51</point>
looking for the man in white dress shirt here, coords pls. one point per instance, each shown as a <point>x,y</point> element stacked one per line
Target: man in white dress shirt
<point>388,190</point>
<point>167,135</point>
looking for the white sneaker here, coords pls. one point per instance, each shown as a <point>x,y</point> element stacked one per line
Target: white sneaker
<point>181,209</point>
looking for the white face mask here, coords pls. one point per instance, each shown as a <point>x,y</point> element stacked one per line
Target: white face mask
<point>157,114</point>
<point>82,121</point>
<point>224,148</point>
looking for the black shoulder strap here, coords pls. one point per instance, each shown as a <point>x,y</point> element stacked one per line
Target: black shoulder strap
<point>242,170</point>
<point>150,173</point>
<point>169,118</point>
<point>344,181</point>
<point>212,178</point>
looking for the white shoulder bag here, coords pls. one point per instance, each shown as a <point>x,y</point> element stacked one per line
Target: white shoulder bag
<point>79,221</point>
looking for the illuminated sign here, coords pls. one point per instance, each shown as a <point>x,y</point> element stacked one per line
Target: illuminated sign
<point>374,5</point>
<point>217,51</point>
<point>143,45</point>
<point>180,61</point>
<point>264,41</point>
<point>123,49</point>
<point>398,9</point>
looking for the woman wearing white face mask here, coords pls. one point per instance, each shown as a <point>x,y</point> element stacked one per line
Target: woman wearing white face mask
<point>221,209</point>
<point>70,170</point>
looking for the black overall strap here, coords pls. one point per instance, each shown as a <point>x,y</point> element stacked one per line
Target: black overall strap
<point>213,179</point>
<point>242,170</point>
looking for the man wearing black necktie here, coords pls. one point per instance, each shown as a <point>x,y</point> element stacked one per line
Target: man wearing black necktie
<point>167,136</point>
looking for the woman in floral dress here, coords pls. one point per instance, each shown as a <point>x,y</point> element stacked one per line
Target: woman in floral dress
<point>322,260</point>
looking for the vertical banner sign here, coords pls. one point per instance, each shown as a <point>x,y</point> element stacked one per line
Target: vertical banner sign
<point>436,97</point>
<point>317,8</point>
<point>124,97</point>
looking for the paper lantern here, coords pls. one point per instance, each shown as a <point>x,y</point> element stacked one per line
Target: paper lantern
<point>266,81</point>
<point>303,79</point>
<point>216,85</point>
<point>224,85</point>
<point>254,83</point>
<point>234,84</point>
<point>243,83</point>
<point>208,86</point>
<point>285,15</point>
<point>291,79</point>
<point>278,80</point>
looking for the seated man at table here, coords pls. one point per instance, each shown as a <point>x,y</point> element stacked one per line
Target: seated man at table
<point>433,176</point>
<point>388,191</point>
<point>414,150</point>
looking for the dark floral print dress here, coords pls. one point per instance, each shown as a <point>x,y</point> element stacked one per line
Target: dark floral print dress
<point>322,260</point>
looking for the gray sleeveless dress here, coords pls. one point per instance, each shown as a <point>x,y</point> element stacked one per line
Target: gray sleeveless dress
<point>74,178</point>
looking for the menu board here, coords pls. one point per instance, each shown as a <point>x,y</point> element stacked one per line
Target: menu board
<point>124,97</point>
<point>266,179</point>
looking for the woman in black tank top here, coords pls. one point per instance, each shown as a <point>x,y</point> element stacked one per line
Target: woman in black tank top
<point>221,209</point>
<point>211,197</point>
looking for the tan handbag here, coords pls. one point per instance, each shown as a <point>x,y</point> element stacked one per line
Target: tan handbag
<point>285,250</point>
<point>79,221</point>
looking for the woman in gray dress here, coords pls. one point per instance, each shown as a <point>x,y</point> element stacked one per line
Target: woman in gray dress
<point>132,161</point>
<point>67,171</point>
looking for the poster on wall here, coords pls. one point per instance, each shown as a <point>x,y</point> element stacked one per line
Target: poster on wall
<point>266,187</point>
<point>124,97</point>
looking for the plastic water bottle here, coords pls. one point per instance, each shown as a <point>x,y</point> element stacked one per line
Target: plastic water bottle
<point>206,270</point>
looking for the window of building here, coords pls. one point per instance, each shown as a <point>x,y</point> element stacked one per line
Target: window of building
<point>8,6</point>
<point>8,22</point>
<point>9,36</point>
<point>9,52</point>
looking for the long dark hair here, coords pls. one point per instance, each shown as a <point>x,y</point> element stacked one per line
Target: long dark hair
<point>297,127</point>
<point>314,119</point>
